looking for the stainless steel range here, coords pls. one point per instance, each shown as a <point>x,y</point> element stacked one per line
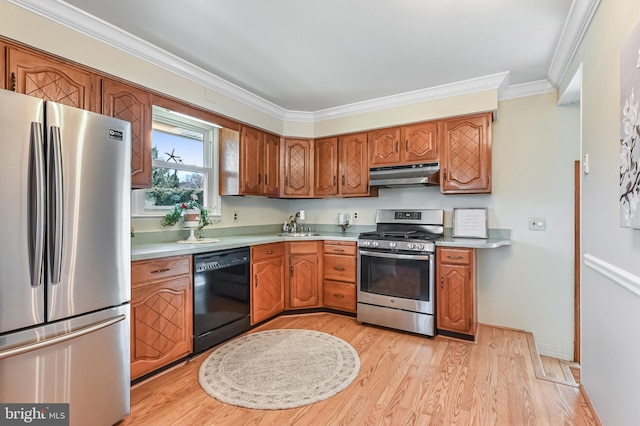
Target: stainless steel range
<point>396,270</point>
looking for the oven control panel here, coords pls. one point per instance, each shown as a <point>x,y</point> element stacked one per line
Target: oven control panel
<point>398,245</point>
<point>407,215</point>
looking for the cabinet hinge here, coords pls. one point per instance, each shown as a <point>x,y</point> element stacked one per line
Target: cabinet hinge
<point>13,81</point>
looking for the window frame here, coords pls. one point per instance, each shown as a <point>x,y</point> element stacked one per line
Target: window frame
<point>210,166</point>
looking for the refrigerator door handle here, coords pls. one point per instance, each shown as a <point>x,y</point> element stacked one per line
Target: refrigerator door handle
<point>19,350</point>
<point>36,204</point>
<point>55,206</point>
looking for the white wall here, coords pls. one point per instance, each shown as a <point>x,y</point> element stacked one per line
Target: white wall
<point>610,312</point>
<point>527,285</point>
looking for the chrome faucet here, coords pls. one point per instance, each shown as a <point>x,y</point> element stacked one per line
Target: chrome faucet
<point>291,225</point>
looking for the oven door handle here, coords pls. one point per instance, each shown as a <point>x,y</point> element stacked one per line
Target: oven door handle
<point>395,255</point>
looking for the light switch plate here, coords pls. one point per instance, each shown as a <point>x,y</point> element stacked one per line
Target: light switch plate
<point>537,224</point>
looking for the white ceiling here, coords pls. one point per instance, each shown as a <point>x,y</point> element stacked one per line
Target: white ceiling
<point>301,55</point>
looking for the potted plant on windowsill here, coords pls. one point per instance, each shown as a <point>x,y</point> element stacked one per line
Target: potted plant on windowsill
<point>193,213</point>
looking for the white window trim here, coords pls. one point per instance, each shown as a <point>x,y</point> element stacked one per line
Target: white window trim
<point>210,168</point>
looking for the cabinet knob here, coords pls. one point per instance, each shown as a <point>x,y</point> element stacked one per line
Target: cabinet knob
<point>343,179</point>
<point>338,268</point>
<point>291,271</point>
<point>454,257</point>
<point>406,145</point>
<point>397,146</point>
<point>270,252</point>
<point>157,271</point>
<point>441,282</point>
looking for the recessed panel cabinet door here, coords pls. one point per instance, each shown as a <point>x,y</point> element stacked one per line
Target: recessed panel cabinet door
<point>304,290</point>
<point>326,166</point>
<point>420,142</point>
<point>51,80</point>
<point>250,161</point>
<point>128,103</point>
<point>354,165</point>
<point>466,155</point>
<point>271,169</point>
<point>268,289</point>
<point>384,146</point>
<point>298,161</point>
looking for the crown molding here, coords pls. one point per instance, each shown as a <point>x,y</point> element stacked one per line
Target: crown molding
<point>493,81</point>
<point>575,26</point>
<point>526,89</point>
<point>71,17</point>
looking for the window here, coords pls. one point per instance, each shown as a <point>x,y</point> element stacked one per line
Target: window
<point>184,162</point>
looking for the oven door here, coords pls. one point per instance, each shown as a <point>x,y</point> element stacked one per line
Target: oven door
<point>397,280</point>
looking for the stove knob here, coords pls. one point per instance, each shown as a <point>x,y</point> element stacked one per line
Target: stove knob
<point>366,243</point>
<point>410,246</point>
<point>420,246</point>
<point>392,244</point>
<point>375,244</point>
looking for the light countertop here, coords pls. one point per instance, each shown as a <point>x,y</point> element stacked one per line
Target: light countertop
<point>497,238</point>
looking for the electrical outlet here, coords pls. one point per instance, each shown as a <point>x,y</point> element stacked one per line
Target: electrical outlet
<point>355,216</point>
<point>235,216</point>
<point>537,224</point>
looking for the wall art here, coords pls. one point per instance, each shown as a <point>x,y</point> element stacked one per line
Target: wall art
<point>630,131</point>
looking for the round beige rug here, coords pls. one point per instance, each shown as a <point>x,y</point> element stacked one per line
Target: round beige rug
<point>279,369</point>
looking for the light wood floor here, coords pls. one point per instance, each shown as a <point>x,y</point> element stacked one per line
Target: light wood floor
<point>404,380</point>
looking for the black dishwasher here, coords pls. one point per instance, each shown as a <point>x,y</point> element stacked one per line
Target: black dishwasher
<point>221,286</point>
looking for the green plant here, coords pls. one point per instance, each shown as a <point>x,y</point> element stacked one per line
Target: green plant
<point>175,214</point>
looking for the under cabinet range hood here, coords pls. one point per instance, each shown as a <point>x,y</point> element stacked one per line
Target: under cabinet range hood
<point>405,175</point>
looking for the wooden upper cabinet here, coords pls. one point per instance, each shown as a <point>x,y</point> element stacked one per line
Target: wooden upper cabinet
<point>131,104</point>
<point>384,145</point>
<point>271,165</point>
<point>3,63</point>
<point>297,174</point>
<point>43,77</point>
<point>466,155</point>
<point>354,165</point>
<point>420,142</point>
<point>259,162</point>
<point>342,166</point>
<point>250,161</point>
<point>326,167</point>
<point>411,144</point>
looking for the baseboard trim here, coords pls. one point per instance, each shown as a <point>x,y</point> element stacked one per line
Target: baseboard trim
<point>619,276</point>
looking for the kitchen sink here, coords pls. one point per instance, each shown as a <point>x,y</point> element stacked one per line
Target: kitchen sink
<point>298,234</point>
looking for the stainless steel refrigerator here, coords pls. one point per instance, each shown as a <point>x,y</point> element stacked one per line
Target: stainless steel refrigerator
<point>65,282</point>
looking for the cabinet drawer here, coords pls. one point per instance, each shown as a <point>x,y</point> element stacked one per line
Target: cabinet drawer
<point>266,251</point>
<point>303,247</point>
<point>144,271</point>
<point>340,268</point>
<point>339,296</point>
<point>340,247</point>
<point>459,256</point>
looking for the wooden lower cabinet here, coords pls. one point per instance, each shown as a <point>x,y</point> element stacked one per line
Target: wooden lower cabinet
<point>455,292</point>
<point>161,313</point>
<point>267,281</point>
<point>339,275</point>
<point>304,275</point>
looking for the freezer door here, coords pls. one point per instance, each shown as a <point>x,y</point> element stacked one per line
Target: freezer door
<point>22,224</point>
<point>88,211</point>
<point>83,362</point>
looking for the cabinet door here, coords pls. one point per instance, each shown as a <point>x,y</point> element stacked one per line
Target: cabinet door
<point>326,167</point>
<point>384,147</point>
<point>466,155</point>
<point>267,295</point>
<point>161,324</point>
<point>455,305</point>
<point>303,281</point>
<point>298,160</point>
<point>128,103</point>
<point>271,166</point>
<point>250,161</point>
<point>420,142</point>
<point>354,165</point>
<point>51,80</point>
